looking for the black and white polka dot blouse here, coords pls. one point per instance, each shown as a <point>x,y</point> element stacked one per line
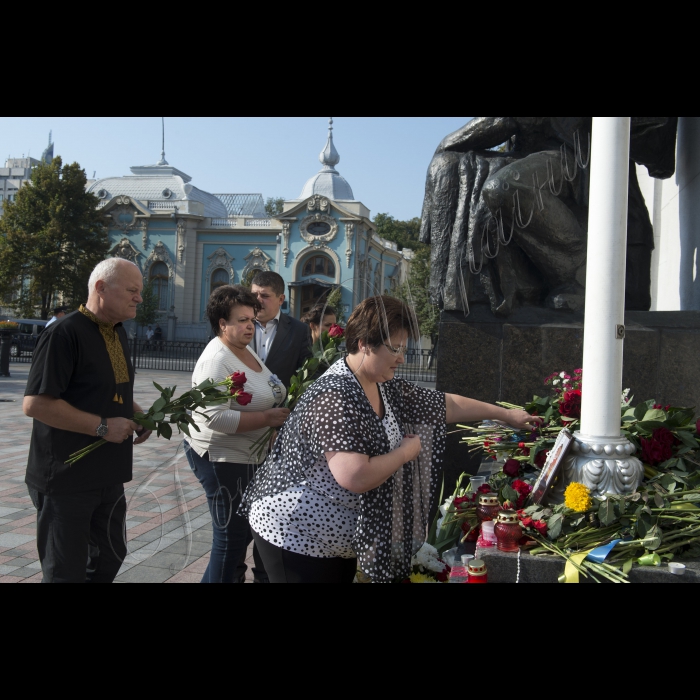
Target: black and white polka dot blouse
<point>296,503</point>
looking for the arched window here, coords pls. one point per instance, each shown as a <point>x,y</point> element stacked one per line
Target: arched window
<point>219,278</point>
<point>319,265</point>
<point>160,278</point>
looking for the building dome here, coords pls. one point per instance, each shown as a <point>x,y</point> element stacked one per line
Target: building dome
<point>328,182</point>
<point>156,185</point>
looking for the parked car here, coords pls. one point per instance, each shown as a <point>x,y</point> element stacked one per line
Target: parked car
<point>25,340</point>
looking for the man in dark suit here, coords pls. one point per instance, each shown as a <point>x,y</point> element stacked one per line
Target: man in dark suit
<point>281,342</point>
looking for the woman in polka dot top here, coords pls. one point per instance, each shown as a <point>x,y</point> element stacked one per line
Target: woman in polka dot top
<point>355,468</point>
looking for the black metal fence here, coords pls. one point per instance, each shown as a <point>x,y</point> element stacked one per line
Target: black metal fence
<point>182,356</point>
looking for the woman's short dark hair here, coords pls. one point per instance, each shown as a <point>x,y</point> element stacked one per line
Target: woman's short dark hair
<point>223,301</point>
<point>376,319</point>
<point>317,314</point>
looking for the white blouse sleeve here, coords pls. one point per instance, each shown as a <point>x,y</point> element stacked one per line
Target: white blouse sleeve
<point>221,419</point>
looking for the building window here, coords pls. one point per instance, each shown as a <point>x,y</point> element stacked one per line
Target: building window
<point>319,265</point>
<point>219,278</point>
<point>160,278</point>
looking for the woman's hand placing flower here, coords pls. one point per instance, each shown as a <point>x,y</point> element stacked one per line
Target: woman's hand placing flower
<point>522,420</point>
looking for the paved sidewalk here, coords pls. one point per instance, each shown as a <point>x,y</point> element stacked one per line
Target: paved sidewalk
<point>168,523</point>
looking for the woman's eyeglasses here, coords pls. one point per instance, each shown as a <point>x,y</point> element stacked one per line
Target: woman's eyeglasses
<point>401,350</point>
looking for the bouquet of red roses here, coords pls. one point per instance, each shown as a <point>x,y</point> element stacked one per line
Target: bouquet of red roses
<point>168,411</point>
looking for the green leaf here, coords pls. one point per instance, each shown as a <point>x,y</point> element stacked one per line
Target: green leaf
<point>510,494</point>
<point>164,430</point>
<point>688,440</point>
<point>185,428</point>
<point>555,524</point>
<point>159,387</point>
<point>606,513</point>
<point>644,525</point>
<point>654,415</point>
<point>158,417</point>
<point>627,566</point>
<point>650,426</point>
<point>640,411</point>
<point>159,405</point>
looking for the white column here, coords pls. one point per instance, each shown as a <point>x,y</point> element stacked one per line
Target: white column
<point>605,277</point>
<point>601,458</point>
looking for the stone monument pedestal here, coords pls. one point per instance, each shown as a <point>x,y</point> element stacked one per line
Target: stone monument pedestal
<point>492,359</point>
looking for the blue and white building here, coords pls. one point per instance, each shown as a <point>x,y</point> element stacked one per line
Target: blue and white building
<point>188,242</point>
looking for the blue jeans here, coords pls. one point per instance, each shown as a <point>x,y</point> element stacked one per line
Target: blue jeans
<point>225,483</point>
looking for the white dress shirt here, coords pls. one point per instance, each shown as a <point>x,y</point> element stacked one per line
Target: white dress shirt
<point>265,336</point>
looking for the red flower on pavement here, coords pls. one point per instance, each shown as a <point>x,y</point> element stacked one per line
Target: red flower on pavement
<point>485,489</point>
<point>541,527</point>
<point>511,468</point>
<point>527,522</point>
<point>524,490</point>
<point>336,331</point>
<point>464,500</point>
<point>570,406</point>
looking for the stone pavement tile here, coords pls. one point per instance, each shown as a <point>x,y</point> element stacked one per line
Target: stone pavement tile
<point>20,515</point>
<point>11,540</point>
<point>21,562</point>
<point>183,577</point>
<point>30,520</point>
<point>6,569</point>
<point>144,574</point>
<point>195,549</point>
<point>169,560</point>
<point>4,512</point>
<point>34,579</point>
<point>25,572</point>
<point>10,579</point>
<point>198,567</point>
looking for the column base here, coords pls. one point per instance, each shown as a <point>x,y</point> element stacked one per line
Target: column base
<point>604,465</point>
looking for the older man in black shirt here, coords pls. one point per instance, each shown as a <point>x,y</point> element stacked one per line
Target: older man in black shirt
<point>80,389</point>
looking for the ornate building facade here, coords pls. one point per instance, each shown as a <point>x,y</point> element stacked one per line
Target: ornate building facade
<point>188,242</point>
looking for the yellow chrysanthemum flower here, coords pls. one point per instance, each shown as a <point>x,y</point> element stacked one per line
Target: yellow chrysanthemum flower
<point>421,578</point>
<point>578,498</point>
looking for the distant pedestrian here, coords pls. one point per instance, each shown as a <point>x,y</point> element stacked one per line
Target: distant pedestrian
<point>158,337</point>
<point>149,337</point>
<point>80,389</point>
<point>320,320</point>
<point>281,342</point>
<point>58,313</point>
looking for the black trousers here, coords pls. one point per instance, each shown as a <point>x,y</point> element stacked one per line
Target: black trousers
<point>288,567</point>
<point>81,537</point>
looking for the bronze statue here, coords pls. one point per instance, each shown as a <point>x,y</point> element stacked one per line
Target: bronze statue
<point>508,226</point>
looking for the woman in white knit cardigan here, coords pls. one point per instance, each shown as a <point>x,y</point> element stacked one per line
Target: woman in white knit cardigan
<point>220,453</point>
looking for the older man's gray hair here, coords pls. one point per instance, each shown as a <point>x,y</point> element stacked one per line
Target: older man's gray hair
<point>107,271</point>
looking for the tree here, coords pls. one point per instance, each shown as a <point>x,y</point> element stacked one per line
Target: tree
<point>147,312</point>
<point>416,290</point>
<point>335,301</point>
<point>274,206</point>
<point>51,238</point>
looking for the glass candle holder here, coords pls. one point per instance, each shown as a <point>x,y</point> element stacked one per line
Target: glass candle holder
<point>488,508</point>
<point>477,572</point>
<point>508,531</point>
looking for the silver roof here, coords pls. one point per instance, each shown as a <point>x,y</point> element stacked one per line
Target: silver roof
<point>154,183</point>
<point>328,182</point>
<point>244,205</point>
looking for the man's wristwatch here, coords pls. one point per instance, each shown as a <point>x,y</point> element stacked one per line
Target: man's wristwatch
<point>102,429</point>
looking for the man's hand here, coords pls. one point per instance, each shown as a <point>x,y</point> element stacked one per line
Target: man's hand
<point>120,430</point>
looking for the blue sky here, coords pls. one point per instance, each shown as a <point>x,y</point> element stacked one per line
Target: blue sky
<point>383,158</point>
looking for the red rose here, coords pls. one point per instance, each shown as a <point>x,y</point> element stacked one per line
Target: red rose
<point>443,577</point>
<point>239,379</point>
<point>541,527</point>
<point>541,458</point>
<point>659,448</point>
<point>244,398</point>
<point>336,331</point>
<point>512,468</point>
<point>465,500</point>
<point>527,522</point>
<point>570,406</point>
<point>522,488</point>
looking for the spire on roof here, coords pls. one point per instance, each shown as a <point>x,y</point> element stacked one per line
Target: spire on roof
<point>329,156</point>
<point>162,160</point>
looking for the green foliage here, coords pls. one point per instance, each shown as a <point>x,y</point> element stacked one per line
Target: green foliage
<point>147,313</point>
<point>8,326</point>
<point>51,238</point>
<point>274,206</point>
<point>335,301</point>
<point>416,290</point>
